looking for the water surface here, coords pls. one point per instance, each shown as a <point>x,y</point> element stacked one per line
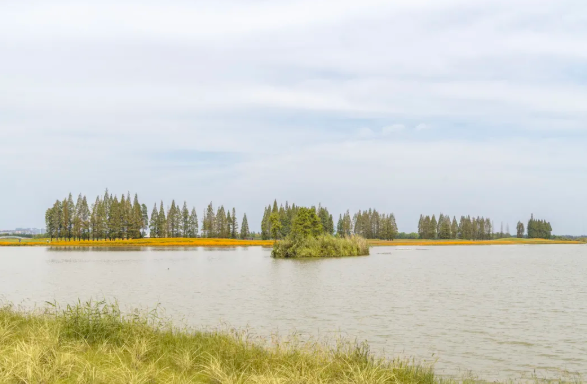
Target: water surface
<point>500,311</point>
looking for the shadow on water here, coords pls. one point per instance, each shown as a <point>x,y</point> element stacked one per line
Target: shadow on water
<point>97,249</point>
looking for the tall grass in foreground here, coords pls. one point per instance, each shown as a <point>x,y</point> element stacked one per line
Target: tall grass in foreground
<point>96,343</point>
<point>321,246</point>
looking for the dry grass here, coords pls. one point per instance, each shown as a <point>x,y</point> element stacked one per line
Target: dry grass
<point>95,343</point>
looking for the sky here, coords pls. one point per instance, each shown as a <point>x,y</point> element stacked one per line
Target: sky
<point>411,107</point>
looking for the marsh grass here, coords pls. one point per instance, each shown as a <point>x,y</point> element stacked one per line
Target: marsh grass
<point>321,246</point>
<point>94,342</point>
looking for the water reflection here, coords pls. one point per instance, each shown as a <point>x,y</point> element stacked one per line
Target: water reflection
<point>96,249</point>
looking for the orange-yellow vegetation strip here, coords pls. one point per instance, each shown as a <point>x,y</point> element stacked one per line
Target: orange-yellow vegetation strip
<point>200,242</point>
<point>468,242</point>
<point>172,242</point>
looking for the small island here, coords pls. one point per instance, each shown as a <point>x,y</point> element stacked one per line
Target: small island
<point>307,239</point>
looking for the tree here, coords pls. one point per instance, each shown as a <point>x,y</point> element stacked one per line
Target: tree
<point>145,220</point>
<point>50,229</point>
<point>194,223</point>
<point>266,225</point>
<point>432,228</point>
<point>306,224</point>
<point>162,222</point>
<point>77,223</point>
<point>444,228</point>
<point>154,224</point>
<point>209,222</point>
<point>275,225</point>
<point>454,228</point>
<point>394,230</point>
<point>114,220</point>
<point>234,225</point>
<point>245,227</point>
<point>520,230</point>
<point>136,218</point>
<point>85,219</point>
<point>185,220</point>
<point>172,220</point>
<point>222,230</point>
<point>539,229</point>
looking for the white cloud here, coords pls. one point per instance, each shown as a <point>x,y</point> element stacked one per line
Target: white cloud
<point>391,129</point>
<point>366,133</point>
<point>88,91</point>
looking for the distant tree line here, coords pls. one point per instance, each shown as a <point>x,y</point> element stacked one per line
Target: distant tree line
<point>126,218</point>
<point>468,228</point>
<point>371,224</point>
<point>277,222</point>
<point>539,229</point>
<point>111,218</point>
<point>108,218</point>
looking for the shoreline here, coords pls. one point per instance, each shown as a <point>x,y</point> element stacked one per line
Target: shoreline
<point>205,242</point>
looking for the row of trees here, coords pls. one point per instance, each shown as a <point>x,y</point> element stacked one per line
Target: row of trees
<point>371,224</point>
<point>108,217</point>
<point>277,222</point>
<point>223,224</point>
<point>468,228</point>
<point>539,229</point>
<point>111,218</point>
<point>125,218</point>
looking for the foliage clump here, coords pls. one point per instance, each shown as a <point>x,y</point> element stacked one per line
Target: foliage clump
<point>308,240</point>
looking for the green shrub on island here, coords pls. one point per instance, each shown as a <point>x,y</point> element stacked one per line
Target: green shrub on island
<point>307,240</point>
<point>321,246</point>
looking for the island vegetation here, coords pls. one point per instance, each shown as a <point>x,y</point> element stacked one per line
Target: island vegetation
<point>307,239</point>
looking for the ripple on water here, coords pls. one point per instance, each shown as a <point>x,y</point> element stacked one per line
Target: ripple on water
<point>501,312</point>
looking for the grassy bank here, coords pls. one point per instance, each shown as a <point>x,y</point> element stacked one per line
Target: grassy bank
<point>321,246</point>
<point>95,343</point>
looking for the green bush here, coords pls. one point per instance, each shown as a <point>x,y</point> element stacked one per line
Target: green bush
<point>321,246</point>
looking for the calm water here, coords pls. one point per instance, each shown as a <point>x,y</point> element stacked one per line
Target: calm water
<point>500,311</point>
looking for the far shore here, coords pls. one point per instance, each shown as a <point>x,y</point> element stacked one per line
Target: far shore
<point>205,242</point>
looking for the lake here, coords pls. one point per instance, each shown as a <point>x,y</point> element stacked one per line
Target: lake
<point>500,311</point>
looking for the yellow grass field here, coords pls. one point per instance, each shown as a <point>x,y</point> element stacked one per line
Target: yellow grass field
<point>172,242</point>
<point>506,241</point>
<point>202,242</point>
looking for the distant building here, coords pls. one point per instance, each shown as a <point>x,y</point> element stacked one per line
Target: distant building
<point>24,231</point>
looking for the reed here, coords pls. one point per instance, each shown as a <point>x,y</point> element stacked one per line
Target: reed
<point>95,342</point>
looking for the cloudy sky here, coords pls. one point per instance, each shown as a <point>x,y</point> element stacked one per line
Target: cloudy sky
<point>411,107</point>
